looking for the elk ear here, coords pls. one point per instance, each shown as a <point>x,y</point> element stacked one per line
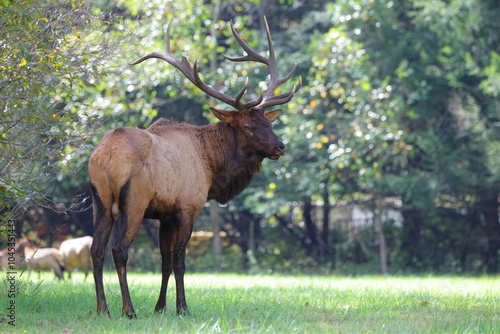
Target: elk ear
<point>272,115</point>
<point>223,115</point>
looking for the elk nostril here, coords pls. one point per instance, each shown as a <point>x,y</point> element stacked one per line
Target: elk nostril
<point>280,147</point>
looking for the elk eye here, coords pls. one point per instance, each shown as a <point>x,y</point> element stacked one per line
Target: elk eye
<point>247,128</point>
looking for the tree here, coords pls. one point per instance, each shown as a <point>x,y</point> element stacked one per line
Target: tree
<point>51,51</point>
<point>410,116</point>
<point>399,100</point>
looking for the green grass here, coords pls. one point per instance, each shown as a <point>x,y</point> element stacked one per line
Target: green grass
<point>254,304</point>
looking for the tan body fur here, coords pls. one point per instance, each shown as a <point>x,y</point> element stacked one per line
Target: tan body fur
<point>44,258</point>
<point>155,164</point>
<point>76,253</point>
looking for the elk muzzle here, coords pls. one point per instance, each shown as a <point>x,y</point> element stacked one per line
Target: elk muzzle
<point>278,151</point>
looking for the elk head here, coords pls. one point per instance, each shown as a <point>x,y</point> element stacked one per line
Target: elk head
<point>250,120</point>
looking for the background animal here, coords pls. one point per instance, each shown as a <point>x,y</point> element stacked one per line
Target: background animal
<point>168,172</point>
<point>11,256</point>
<point>41,258</point>
<point>4,259</point>
<point>76,253</point>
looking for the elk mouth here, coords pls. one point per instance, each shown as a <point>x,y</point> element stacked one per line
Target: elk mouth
<point>278,152</point>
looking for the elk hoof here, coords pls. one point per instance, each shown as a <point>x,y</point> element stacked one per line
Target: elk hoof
<point>132,315</point>
<point>183,311</point>
<point>104,312</point>
<point>159,310</point>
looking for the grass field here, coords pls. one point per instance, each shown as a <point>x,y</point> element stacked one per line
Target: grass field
<point>226,303</point>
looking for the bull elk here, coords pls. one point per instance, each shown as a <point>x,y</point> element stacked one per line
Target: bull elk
<point>168,172</point>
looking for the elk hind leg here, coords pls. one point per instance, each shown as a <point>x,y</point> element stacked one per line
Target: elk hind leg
<point>103,223</point>
<point>131,216</point>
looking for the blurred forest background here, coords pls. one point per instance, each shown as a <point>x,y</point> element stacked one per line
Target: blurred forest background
<point>393,142</point>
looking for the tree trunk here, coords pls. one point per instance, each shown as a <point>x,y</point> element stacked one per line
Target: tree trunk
<point>251,236</point>
<point>379,224</point>
<point>411,238</point>
<point>311,239</point>
<point>285,224</point>
<point>489,209</point>
<point>326,251</point>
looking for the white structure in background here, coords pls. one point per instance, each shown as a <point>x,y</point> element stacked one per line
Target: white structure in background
<point>352,217</point>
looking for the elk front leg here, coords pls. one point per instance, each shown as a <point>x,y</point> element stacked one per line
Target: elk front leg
<point>166,236</point>
<point>183,235</point>
<point>179,270</point>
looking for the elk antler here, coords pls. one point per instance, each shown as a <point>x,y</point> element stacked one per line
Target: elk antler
<point>191,73</point>
<point>267,99</point>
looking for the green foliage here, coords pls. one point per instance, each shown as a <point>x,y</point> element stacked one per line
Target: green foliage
<point>394,108</point>
<point>399,100</point>
<point>51,50</point>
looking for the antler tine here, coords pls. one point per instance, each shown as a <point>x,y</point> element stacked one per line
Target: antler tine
<point>236,102</point>
<point>272,59</point>
<point>266,99</point>
<point>181,64</point>
<point>241,92</point>
<point>275,81</point>
<point>190,72</point>
<point>288,76</point>
<point>215,93</point>
<point>252,55</point>
<point>167,37</point>
<point>160,55</point>
<point>281,98</point>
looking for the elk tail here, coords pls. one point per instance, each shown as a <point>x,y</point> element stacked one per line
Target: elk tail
<point>115,211</point>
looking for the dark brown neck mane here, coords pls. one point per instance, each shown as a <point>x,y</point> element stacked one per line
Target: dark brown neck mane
<point>232,165</point>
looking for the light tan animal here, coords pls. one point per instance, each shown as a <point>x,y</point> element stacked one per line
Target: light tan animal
<point>4,259</point>
<point>10,259</point>
<point>76,253</point>
<point>41,258</point>
<point>168,172</point>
